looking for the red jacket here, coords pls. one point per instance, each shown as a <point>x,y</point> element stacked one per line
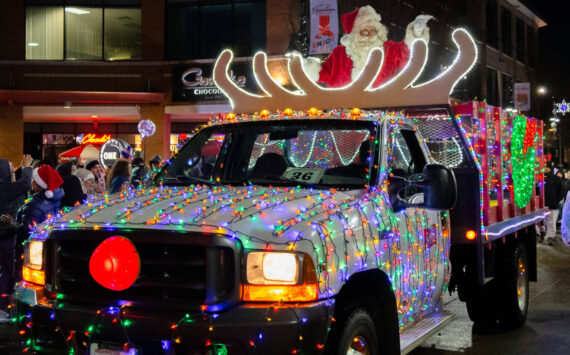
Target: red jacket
<point>336,70</point>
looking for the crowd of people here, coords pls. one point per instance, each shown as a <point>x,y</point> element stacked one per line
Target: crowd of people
<point>34,190</point>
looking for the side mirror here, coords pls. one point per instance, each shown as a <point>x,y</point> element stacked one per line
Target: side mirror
<point>440,187</point>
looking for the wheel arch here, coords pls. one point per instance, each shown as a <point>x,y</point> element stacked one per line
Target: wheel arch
<point>372,290</point>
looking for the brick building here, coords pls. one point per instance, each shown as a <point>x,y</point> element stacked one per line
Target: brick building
<point>74,67</point>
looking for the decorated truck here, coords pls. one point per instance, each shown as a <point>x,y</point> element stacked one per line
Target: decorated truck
<point>311,221</point>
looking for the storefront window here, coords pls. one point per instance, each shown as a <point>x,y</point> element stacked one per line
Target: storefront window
<point>82,33</point>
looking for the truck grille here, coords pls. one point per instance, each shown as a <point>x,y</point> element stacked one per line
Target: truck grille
<point>177,269</point>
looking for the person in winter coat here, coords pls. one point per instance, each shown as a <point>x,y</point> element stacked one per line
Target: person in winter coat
<point>119,176</point>
<point>565,223</point>
<point>12,195</point>
<point>13,192</point>
<point>553,193</point>
<point>99,172</point>
<point>71,186</point>
<point>88,181</point>
<point>46,199</point>
<point>139,176</point>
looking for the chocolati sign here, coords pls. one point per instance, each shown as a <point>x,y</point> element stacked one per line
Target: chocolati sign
<point>194,82</point>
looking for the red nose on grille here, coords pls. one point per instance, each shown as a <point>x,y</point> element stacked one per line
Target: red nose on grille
<point>115,263</point>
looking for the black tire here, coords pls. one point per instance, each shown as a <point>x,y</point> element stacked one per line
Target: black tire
<point>353,326</point>
<point>514,290</point>
<point>480,306</point>
<point>496,306</point>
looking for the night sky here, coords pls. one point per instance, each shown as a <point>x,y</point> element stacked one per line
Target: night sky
<point>554,41</point>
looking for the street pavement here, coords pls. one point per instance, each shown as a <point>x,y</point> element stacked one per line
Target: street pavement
<point>547,330</point>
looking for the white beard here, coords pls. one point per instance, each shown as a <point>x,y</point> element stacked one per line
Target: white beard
<point>358,47</point>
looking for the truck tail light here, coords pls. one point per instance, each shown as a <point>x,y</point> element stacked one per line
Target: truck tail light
<point>470,235</point>
<point>285,293</point>
<point>33,276</point>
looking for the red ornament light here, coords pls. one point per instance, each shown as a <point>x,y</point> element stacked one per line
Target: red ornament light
<point>115,263</point>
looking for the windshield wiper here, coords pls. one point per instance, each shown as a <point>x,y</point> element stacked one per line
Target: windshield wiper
<point>280,180</point>
<point>189,179</point>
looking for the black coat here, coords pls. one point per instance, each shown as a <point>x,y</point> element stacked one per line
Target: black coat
<point>38,208</point>
<point>13,194</point>
<point>73,191</point>
<point>553,191</point>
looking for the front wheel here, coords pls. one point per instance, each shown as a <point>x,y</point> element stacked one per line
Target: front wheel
<point>357,335</point>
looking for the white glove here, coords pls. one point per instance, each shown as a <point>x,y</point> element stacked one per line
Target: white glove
<point>420,24</point>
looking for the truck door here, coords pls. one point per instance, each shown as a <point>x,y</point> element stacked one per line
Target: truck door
<point>421,239</point>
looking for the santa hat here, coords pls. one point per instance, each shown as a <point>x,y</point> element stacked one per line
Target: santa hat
<point>365,15</point>
<point>47,178</point>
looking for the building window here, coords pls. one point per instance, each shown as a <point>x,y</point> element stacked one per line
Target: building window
<point>506,31</point>
<point>491,23</point>
<point>531,38</point>
<point>200,29</point>
<point>507,90</point>
<point>520,40</point>
<point>83,33</point>
<point>492,87</point>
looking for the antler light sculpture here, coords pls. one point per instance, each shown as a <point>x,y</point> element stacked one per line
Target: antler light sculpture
<point>399,91</point>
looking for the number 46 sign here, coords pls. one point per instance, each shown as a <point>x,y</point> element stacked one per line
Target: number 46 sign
<point>310,176</point>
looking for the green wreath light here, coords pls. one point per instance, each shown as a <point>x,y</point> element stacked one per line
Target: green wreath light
<point>523,154</point>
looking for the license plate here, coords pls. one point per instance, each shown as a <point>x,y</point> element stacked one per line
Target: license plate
<point>110,349</point>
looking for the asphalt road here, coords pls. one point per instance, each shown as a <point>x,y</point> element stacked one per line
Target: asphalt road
<point>547,330</point>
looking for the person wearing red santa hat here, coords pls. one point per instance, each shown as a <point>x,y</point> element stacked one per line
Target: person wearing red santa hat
<point>363,32</point>
<point>46,199</point>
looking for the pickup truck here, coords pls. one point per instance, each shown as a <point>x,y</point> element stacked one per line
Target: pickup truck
<point>301,230</point>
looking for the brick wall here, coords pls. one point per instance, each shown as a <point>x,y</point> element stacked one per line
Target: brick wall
<point>278,26</point>
<point>159,142</point>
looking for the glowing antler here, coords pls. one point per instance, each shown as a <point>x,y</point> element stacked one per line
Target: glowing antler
<point>399,91</point>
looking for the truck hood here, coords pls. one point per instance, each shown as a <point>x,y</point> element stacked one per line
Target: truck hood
<point>257,213</point>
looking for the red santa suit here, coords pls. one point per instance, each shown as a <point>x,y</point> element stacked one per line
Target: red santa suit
<point>338,69</point>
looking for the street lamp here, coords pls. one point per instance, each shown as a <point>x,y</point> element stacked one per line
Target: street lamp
<point>541,90</point>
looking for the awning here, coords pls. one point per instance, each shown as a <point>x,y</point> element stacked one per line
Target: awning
<point>83,153</point>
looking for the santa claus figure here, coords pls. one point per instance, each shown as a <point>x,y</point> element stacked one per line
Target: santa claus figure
<point>363,33</point>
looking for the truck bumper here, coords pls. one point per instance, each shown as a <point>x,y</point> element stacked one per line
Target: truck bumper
<point>56,327</point>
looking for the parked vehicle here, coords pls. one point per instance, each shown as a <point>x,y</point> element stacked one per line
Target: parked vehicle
<point>307,231</point>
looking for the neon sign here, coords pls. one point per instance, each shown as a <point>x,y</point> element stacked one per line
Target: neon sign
<point>92,138</point>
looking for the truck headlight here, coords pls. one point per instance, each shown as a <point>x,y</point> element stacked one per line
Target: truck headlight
<point>34,262</point>
<point>265,268</point>
<point>280,276</point>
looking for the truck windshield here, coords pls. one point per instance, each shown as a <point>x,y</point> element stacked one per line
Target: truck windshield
<point>308,152</point>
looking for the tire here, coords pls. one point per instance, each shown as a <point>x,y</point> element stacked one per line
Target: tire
<point>514,290</point>
<point>497,306</point>
<point>356,335</point>
<point>480,306</point>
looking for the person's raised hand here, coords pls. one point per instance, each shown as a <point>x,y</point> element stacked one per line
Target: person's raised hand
<point>6,218</point>
<point>26,161</point>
